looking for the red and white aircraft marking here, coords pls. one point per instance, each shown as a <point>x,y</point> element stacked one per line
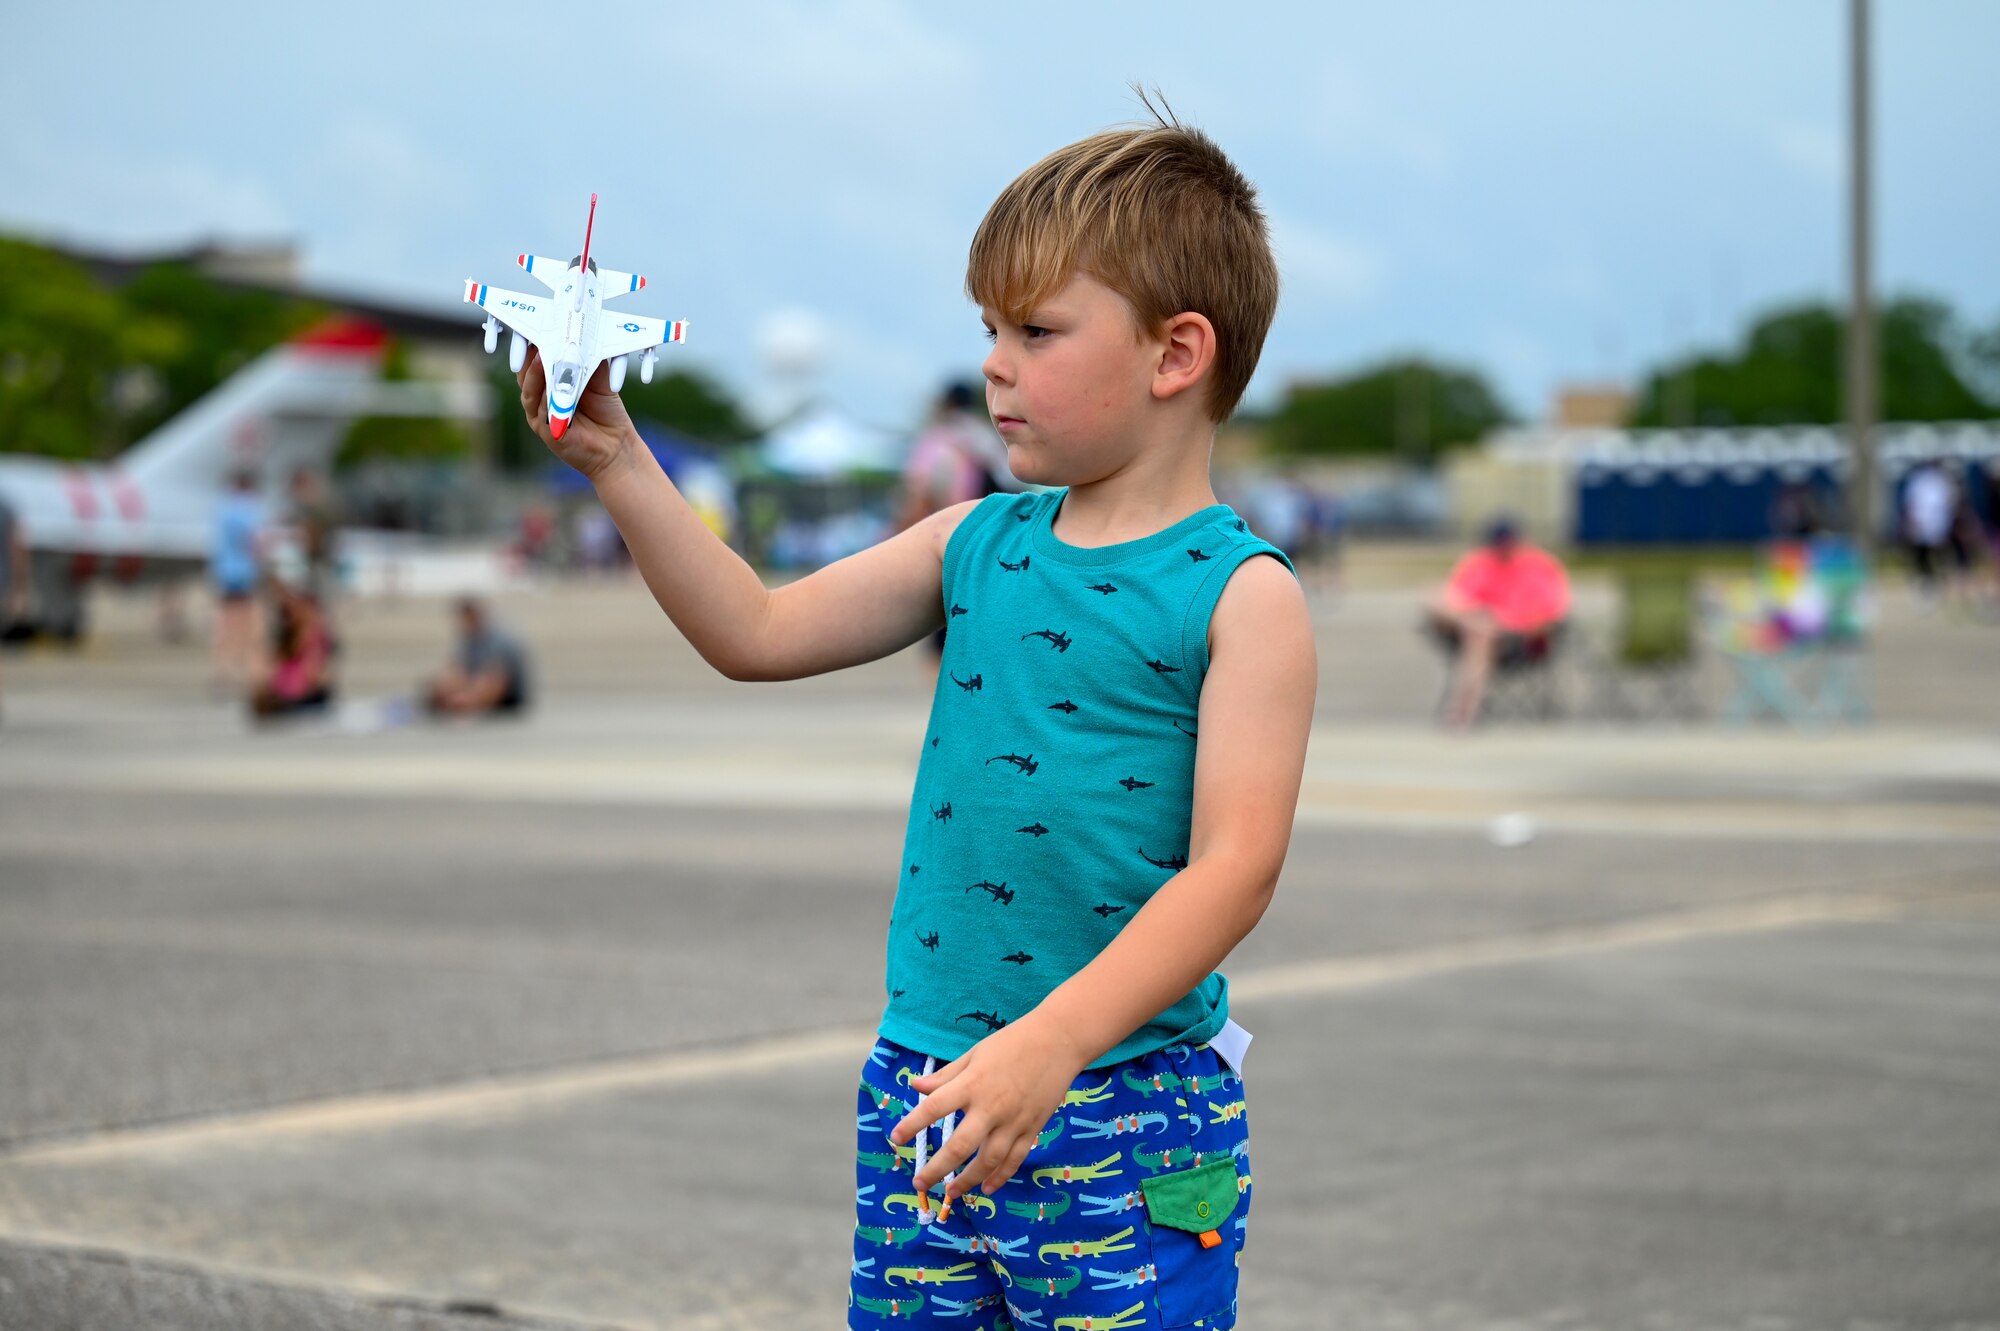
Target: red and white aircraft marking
<point>148,515</point>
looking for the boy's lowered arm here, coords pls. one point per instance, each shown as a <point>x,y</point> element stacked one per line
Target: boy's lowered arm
<point>865,606</point>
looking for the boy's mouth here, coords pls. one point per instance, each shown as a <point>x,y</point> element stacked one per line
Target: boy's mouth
<point>1006,423</point>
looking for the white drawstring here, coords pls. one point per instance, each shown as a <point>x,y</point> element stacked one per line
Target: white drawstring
<point>924,1213</point>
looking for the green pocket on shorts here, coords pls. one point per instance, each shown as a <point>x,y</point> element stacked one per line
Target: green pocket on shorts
<point>1198,1199</point>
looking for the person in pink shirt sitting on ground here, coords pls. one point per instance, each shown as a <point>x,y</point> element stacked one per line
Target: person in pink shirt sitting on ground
<point>1500,603</point>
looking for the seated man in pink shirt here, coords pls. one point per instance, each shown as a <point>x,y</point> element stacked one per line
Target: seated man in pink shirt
<point>1498,602</point>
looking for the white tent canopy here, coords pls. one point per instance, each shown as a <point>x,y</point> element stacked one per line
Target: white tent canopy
<point>823,440</point>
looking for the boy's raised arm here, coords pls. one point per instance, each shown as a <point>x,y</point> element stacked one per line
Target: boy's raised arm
<point>866,606</point>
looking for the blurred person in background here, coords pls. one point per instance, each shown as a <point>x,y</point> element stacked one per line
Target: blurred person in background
<point>237,549</point>
<point>1281,512</point>
<point>956,457</point>
<point>315,514</point>
<point>488,672</point>
<point>299,676</point>
<point>1329,528</point>
<point>1930,502</point>
<point>536,539</point>
<point>1968,545</point>
<point>1987,528</point>
<point>1500,598</point>
<point>13,572</point>
<point>597,543</point>
<point>1795,513</point>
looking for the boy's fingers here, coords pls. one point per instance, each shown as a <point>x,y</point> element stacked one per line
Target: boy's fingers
<point>930,1111</point>
<point>912,1123</point>
<point>943,1074</point>
<point>1009,1161</point>
<point>997,1162</point>
<point>964,1141</point>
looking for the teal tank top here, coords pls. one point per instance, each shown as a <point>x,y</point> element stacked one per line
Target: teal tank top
<point>1055,788</point>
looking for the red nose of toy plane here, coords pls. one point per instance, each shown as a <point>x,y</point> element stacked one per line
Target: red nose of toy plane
<point>558,424</point>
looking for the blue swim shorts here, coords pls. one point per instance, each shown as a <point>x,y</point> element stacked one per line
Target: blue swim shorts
<point>1129,1213</point>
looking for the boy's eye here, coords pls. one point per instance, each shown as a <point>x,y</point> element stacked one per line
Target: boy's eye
<point>1033,330</point>
<point>991,336</point>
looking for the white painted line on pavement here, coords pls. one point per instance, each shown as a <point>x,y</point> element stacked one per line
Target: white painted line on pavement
<point>511,1096</point>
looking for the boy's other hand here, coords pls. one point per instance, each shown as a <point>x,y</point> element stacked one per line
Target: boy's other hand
<point>1009,1086</point>
<point>599,432</point>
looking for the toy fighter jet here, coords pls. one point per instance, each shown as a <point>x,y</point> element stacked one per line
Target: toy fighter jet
<point>570,327</point>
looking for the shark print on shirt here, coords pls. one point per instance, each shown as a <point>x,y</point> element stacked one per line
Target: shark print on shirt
<point>1056,694</point>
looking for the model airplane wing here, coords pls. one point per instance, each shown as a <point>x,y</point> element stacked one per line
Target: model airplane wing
<point>549,272</point>
<point>621,335</point>
<point>611,283</point>
<point>530,316</point>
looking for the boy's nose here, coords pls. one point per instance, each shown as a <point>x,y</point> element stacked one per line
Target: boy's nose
<point>996,368</point>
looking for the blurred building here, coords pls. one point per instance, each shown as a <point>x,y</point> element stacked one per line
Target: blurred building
<point>1592,406</point>
<point>436,336</point>
<point>1584,486</point>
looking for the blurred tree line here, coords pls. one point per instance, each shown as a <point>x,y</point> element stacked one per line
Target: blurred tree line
<point>87,368</point>
<point>1789,371</point>
<point>1410,409</point>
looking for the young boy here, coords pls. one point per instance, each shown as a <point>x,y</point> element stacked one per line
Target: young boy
<point>1107,784</point>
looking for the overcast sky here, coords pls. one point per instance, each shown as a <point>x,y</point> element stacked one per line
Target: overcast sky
<point>1549,191</point>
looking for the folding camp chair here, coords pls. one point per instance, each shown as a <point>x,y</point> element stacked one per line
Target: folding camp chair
<point>1523,680</point>
<point>1653,666</point>
<point>1795,635</point>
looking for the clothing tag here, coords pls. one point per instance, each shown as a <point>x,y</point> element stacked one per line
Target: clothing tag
<point>1231,1042</point>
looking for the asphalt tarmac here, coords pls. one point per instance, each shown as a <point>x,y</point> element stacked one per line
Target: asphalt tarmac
<point>557,1022</point>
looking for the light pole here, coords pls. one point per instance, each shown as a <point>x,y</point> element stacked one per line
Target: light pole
<point>1861,363</point>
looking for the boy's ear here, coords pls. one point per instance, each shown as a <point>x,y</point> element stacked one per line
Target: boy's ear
<point>1187,350</point>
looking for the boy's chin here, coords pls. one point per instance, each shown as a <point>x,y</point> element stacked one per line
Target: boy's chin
<point>1025,464</point>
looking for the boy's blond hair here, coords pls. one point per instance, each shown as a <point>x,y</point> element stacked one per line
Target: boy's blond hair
<point>1158,214</point>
